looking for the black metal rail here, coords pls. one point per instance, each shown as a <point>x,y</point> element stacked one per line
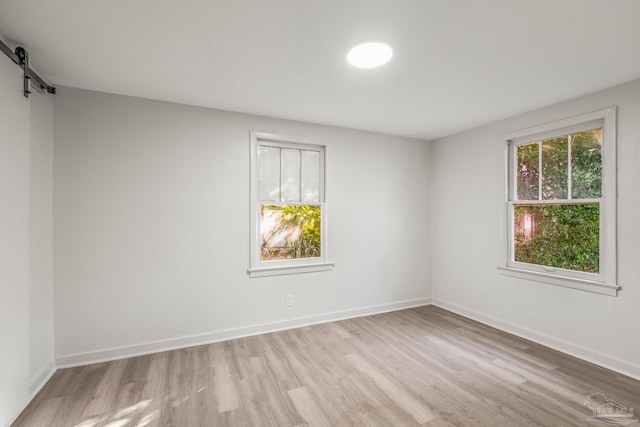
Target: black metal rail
<point>21,58</point>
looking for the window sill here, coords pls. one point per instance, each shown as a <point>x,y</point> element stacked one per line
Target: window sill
<point>567,282</point>
<point>289,269</point>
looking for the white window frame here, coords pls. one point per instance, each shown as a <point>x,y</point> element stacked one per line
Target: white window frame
<point>605,282</point>
<point>259,268</point>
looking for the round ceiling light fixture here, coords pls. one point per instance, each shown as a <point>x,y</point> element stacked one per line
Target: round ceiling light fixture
<point>369,55</point>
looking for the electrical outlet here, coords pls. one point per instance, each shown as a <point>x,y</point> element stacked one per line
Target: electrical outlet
<point>289,300</point>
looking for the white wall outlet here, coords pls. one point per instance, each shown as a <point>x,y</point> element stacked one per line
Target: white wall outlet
<point>289,300</point>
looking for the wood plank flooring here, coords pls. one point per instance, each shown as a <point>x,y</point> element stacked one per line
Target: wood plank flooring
<point>422,366</point>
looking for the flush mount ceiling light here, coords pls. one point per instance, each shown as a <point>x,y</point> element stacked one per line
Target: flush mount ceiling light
<point>369,55</point>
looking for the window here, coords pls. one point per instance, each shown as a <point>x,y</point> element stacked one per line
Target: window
<point>288,208</point>
<point>560,203</point>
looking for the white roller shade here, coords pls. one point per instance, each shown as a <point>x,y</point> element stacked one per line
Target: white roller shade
<point>269,173</point>
<point>289,175</point>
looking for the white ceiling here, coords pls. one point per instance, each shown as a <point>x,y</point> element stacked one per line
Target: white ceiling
<point>457,63</point>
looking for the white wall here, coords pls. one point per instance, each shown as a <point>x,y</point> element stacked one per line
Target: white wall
<point>14,244</point>
<point>151,220</point>
<point>465,179</point>
<point>26,290</point>
<point>41,356</point>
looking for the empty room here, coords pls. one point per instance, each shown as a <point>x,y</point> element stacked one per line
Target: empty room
<point>319,213</point>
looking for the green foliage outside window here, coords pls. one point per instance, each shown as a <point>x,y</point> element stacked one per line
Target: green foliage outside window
<point>308,219</point>
<point>295,232</point>
<point>564,236</point>
<point>559,235</point>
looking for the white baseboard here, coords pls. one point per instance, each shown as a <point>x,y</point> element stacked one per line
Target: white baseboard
<point>606,361</point>
<point>41,377</point>
<point>13,419</point>
<point>109,354</point>
<point>37,382</point>
<point>35,385</point>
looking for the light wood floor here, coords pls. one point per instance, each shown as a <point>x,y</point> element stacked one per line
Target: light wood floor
<point>422,366</point>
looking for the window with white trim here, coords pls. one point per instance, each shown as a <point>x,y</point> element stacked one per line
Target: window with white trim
<point>561,203</point>
<point>288,207</point>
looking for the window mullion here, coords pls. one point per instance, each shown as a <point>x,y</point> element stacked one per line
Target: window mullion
<point>300,177</point>
<point>569,169</point>
<point>280,168</point>
<point>539,170</point>
<point>513,176</point>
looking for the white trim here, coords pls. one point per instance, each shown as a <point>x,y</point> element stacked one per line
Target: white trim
<point>35,385</point>
<point>42,376</point>
<point>605,282</point>
<point>553,129</point>
<point>608,215</point>
<point>623,367</point>
<point>257,267</point>
<point>606,361</point>
<point>289,269</point>
<point>275,143</point>
<point>565,281</point>
<point>15,417</point>
<point>254,236</point>
<point>294,141</point>
<point>555,202</point>
<point>116,353</point>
